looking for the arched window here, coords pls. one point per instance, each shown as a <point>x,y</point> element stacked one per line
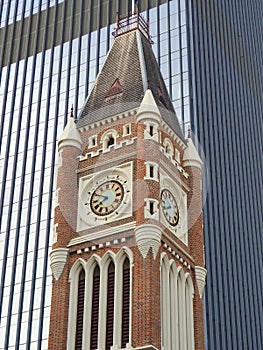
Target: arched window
<point>80,310</point>
<point>95,309</point>
<point>168,146</point>
<point>177,307</point>
<point>110,142</point>
<point>109,138</point>
<point>96,321</point>
<point>189,290</point>
<point>110,306</point>
<point>125,303</point>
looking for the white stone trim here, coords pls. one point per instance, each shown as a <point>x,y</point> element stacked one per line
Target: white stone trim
<point>87,185</point>
<point>176,138</point>
<point>147,131</point>
<point>147,213</point>
<point>189,290</point>
<point>70,136</point>
<point>111,133</point>
<point>191,156</point>
<point>73,280</point>
<point>175,163</point>
<point>108,121</point>
<point>58,258</point>
<point>148,236</point>
<point>126,129</point>
<point>181,308</point>
<point>168,147</point>
<point>89,266</point>
<point>155,171</point>
<point>176,306</point>
<point>177,155</point>
<point>93,141</point>
<point>181,229</point>
<point>200,273</point>
<point>103,233</point>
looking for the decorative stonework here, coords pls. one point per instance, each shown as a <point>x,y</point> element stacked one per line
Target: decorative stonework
<point>70,136</point>
<point>191,156</point>
<point>175,163</point>
<point>106,150</point>
<point>148,236</point>
<point>58,258</point>
<point>106,244</point>
<point>107,121</point>
<point>177,256</point>
<point>148,109</point>
<point>200,273</point>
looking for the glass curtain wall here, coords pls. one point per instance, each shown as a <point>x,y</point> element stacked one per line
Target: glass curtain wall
<point>50,54</point>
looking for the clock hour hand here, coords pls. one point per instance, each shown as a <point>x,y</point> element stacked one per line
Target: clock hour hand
<point>104,198</point>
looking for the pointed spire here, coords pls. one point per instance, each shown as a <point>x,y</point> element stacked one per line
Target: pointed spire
<point>70,136</point>
<point>191,156</point>
<point>148,108</point>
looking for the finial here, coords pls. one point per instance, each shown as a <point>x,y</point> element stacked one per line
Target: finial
<point>72,112</point>
<point>189,136</point>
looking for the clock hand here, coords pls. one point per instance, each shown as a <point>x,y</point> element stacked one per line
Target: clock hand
<point>168,207</point>
<point>104,198</point>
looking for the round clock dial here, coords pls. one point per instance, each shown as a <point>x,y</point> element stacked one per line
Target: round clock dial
<point>169,207</point>
<point>107,197</point>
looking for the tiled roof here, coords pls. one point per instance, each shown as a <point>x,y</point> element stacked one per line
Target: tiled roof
<point>130,67</point>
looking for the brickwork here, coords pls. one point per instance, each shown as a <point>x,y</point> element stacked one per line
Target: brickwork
<point>138,147</point>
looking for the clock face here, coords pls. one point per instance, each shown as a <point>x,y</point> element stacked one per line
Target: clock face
<point>169,207</point>
<point>107,197</point>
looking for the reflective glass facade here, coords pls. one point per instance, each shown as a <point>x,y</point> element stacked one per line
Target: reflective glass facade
<point>227,87</point>
<point>210,54</point>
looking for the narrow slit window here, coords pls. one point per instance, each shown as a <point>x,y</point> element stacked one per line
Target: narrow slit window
<point>125,303</point>
<point>151,130</point>
<point>151,171</point>
<point>95,309</point>
<point>80,310</point>
<point>110,306</point>
<point>151,208</point>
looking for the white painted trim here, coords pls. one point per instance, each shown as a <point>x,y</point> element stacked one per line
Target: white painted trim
<point>86,218</point>
<point>73,299</point>
<point>148,236</point>
<point>176,306</point>
<point>58,258</point>
<point>147,135</point>
<point>168,146</point>
<point>89,266</point>
<point>155,166</point>
<point>200,273</point>
<point>103,233</point>
<point>189,290</point>
<point>109,120</point>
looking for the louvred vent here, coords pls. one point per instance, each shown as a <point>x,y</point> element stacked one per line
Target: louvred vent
<point>95,309</point>
<point>80,311</point>
<point>125,303</point>
<point>115,89</point>
<point>110,306</point>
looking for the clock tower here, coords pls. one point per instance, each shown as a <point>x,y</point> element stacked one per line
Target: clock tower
<point>128,256</point>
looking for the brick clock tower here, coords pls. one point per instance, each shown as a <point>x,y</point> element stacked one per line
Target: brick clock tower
<point>128,257</point>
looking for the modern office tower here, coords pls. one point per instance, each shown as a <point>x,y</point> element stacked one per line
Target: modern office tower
<point>128,251</point>
<point>210,54</point>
